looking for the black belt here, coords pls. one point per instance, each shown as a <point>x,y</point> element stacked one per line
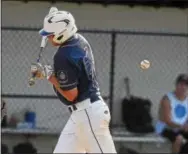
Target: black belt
<point>74,108</point>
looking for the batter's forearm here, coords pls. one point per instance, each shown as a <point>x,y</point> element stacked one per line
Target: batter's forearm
<point>69,95</point>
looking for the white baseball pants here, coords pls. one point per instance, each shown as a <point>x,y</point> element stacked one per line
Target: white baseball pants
<point>87,130</point>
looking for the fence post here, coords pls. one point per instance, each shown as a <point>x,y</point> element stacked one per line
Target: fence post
<point>112,73</point>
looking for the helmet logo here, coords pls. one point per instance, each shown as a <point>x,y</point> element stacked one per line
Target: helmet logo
<point>64,20</point>
<point>50,19</point>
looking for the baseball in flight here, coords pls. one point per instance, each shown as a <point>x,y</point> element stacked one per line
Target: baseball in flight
<point>145,64</point>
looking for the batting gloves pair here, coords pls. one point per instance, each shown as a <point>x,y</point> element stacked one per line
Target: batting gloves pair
<point>41,71</point>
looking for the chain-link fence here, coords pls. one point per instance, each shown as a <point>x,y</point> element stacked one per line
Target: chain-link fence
<point>167,54</point>
<point>117,55</point>
<point>20,48</point>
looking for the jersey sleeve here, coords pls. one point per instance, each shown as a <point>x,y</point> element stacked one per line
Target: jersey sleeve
<point>67,74</point>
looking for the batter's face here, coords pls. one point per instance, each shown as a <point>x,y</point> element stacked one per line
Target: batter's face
<point>182,88</point>
<point>50,39</point>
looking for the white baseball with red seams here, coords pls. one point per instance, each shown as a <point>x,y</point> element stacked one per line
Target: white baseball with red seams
<point>145,64</point>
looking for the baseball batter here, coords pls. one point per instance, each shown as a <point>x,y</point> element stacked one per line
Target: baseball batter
<point>74,80</point>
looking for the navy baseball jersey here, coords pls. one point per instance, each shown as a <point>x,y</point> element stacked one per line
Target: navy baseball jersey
<point>74,67</point>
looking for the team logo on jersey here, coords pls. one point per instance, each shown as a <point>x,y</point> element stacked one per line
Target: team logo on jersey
<point>50,19</point>
<point>62,76</point>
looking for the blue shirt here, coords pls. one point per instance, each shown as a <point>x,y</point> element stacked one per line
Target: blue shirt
<point>74,67</point>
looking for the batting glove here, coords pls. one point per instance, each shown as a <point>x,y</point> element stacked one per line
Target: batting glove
<point>48,70</point>
<point>39,71</point>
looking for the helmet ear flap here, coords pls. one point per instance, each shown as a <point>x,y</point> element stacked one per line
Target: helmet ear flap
<point>64,35</point>
<point>60,37</point>
<point>55,42</point>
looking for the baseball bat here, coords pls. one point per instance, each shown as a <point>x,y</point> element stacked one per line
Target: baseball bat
<point>42,46</point>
